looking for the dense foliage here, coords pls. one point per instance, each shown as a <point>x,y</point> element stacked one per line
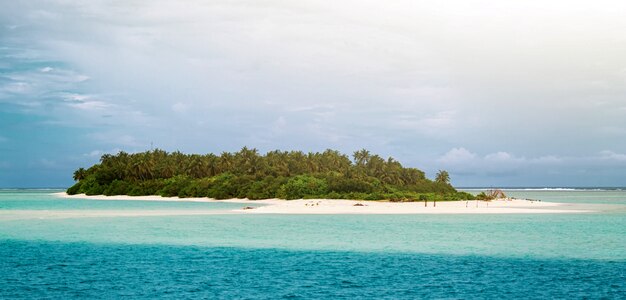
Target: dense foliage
<point>247,174</point>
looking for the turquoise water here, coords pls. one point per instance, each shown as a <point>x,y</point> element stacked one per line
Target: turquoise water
<point>43,200</point>
<point>310,256</point>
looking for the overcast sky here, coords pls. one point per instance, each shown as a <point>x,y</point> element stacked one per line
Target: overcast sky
<point>499,93</point>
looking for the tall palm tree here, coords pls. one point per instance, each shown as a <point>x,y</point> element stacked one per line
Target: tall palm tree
<point>80,174</point>
<point>361,157</point>
<point>442,177</point>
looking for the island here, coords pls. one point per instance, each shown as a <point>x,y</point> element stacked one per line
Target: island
<point>247,174</point>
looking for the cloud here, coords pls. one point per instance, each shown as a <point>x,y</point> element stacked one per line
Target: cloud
<point>610,155</point>
<point>457,155</point>
<point>94,153</point>
<point>503,157</point>
<point>99,153</point>
<point>314,108</point>
<point>462,160</point>
<point>437,124</point>
<point>441,120</point>
<point>76,97</point>
<point>404,78</point>
<point>90,105</point>
<point>280,125</point>
<point>548,159</point>
<point>124,141</point>
<point>180,107</point>
<point>503,168</point>
<point>85,102</point>
<point>24,84</point>
<point>16,87</point>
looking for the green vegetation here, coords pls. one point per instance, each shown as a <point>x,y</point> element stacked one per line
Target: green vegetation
<point>247,174</point>
<point>491,195</point>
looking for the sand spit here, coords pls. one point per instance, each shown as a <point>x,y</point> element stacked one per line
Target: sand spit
<point>328,206</point>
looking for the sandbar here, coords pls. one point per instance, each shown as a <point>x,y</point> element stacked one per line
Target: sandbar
<point>332,206</point>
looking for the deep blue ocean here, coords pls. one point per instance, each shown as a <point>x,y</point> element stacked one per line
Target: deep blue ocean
<point>46,253</point>
<point>87,270</point>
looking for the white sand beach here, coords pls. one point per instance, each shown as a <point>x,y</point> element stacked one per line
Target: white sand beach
<point>332,206</point>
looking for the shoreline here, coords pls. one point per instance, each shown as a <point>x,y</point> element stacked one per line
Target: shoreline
<point>340,206</point>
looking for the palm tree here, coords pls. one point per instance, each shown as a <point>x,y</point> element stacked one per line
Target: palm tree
<point>376,166</point>
<point>196,167</point>
<point>442,177</point>
<point>247,161</point>
<point>277,163</point>
<point>80,174</point>
<point>211,161</point>
<point>226,162</point>
<point>361,157</point>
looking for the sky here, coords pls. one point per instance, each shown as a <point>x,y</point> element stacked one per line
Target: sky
<point>498,93</point>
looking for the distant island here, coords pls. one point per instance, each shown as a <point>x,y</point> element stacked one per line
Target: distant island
<point>248,174</point>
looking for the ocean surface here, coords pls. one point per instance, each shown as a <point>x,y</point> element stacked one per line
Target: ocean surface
<point>67,248</point>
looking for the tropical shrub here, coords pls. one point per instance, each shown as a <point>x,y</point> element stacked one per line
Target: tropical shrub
<point>302,186</point>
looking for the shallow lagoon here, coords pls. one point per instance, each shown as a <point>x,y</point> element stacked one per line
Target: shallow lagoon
<point>269,256</point>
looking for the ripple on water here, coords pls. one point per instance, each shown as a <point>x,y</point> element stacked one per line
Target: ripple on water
<point>84,270</point>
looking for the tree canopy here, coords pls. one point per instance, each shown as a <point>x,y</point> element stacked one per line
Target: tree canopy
<point>442,177</point>
<point>248,174</point>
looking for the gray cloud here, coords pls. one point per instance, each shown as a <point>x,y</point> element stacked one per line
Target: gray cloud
<point>525,84</point>
<point>499,168</point>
